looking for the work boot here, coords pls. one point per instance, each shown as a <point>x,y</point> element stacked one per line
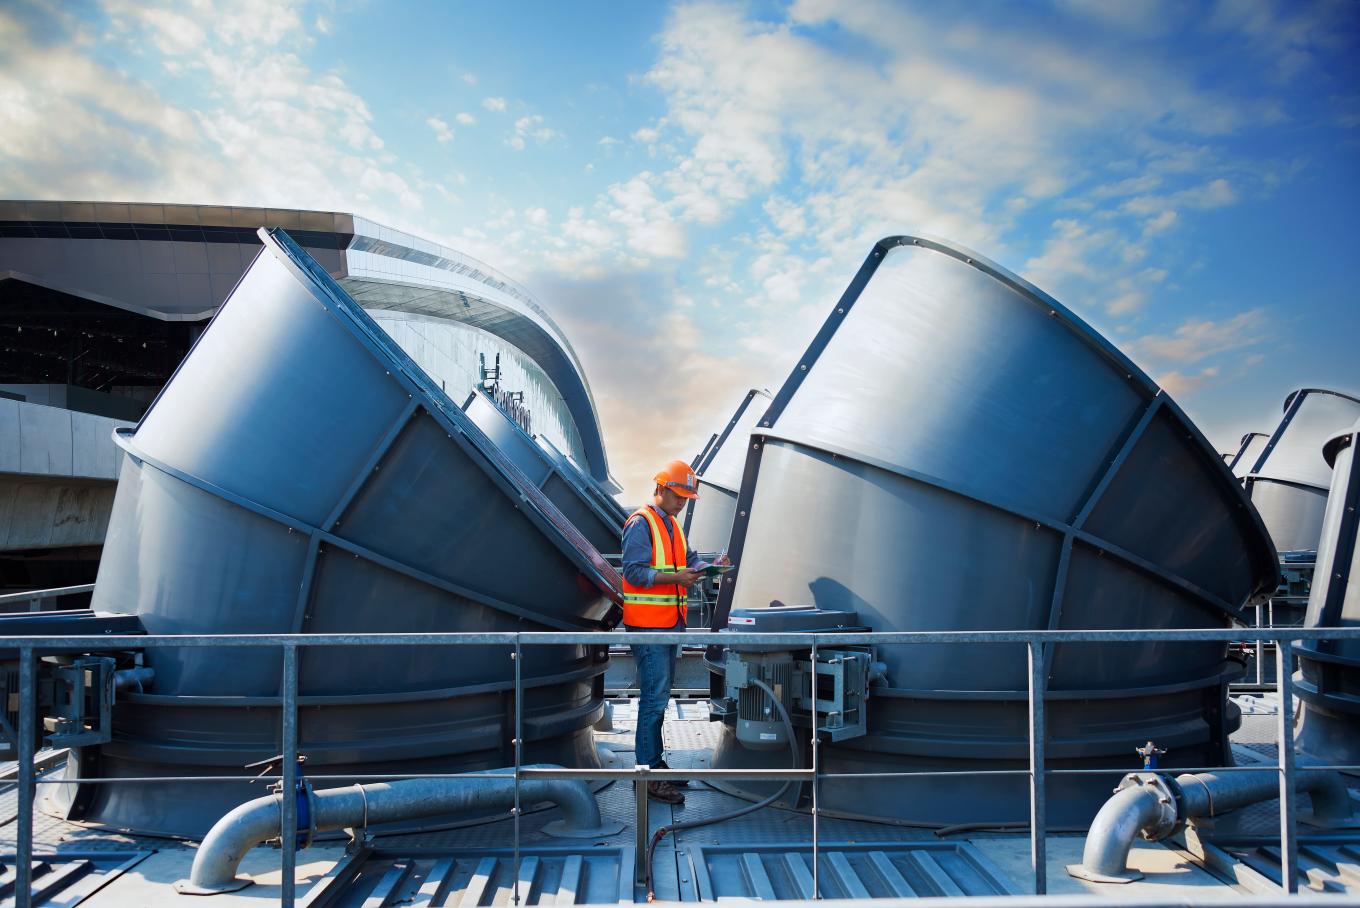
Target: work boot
<point>678,783</point>
<point>665,791</point>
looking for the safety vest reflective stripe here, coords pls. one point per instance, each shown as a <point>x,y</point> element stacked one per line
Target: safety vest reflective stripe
<point>659,552</point>
<point>665,604</point>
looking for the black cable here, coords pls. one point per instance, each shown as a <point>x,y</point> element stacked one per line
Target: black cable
<point>741,811</point>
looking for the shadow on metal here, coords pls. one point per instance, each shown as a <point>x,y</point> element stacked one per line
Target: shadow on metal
<point>300,474</point>
<point>1288,479</point>
<point>574,494</point>
<point>708,521</point>
<point>1328,681</point>
<point>957,451</point>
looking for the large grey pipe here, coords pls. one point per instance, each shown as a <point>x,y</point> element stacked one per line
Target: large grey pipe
<point>1148,804</point>
<point>260,820</point>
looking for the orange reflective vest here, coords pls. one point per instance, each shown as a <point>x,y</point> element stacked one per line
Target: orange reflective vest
<point>665,604</point>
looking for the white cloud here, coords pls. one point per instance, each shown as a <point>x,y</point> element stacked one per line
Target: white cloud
<point>1161,222</point>
<point>495,104</point>
<point>1213,194</point>
<point>1197,339</point>
<point>442,132</point>
<point>469,78</point>
<point>265,128</point>
<point>465,119</point>
<point>1125,303</point>
<point>530,128</point>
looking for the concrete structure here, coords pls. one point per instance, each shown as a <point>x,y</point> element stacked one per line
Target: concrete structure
<point>57,473</point>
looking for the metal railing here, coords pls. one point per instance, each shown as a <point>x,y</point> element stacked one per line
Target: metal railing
<point>1036,642</point>
<point>40,600</point>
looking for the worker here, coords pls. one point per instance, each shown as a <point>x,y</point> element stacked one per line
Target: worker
<point>658,570</point>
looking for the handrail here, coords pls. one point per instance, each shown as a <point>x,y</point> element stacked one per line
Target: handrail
<point>29,648</point>
<point>43,595</point>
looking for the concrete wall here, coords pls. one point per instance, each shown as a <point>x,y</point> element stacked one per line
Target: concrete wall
<point>58,473</point>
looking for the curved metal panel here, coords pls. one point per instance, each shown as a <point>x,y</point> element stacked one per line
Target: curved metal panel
<point>601,525</point>
<point>593,489</point>
<point>1328,681</point>
<point>708,521</point>
<point>1289,479</point>
<point>1248,451</point>
<point>957,451</point>
<point>300,474</point>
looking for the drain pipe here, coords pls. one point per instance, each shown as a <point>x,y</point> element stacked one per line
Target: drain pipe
<point>260,820</point>
<point>1155,806</point>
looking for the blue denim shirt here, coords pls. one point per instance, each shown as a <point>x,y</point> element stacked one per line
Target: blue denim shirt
<point>637,551</point>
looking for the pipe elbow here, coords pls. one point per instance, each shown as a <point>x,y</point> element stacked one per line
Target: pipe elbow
<point>222,849</point>
<point>1135,808</point>
<point>1330,796</point>
<point>257,821</point>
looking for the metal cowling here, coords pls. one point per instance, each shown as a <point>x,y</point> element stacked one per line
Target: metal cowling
<point>957,451</point>
<point>708,521</point>
<point>1252,444</point>
<point>300,473</point>
<point>1328,681</point>
<point>563,485</point>
<point>1288,480</point>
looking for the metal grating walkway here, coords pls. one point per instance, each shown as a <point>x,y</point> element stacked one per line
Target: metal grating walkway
<point>569,875</point>
<point>66,878</point>
<point>846,871</point>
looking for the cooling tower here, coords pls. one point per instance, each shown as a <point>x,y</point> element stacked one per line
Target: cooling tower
<point>1288,481</point>
<point>1253,443</point>
<point>1328,682</point>
<point>559,482</point>
<point>300,474</point>
<point>708,521</point>
<point>957,451</point>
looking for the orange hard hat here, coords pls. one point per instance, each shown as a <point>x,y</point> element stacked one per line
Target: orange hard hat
<point>679,478</point>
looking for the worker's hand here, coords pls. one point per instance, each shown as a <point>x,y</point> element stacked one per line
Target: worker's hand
<point>686,577</point>
<point>722,559</point>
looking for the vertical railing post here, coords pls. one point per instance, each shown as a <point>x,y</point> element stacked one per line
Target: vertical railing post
<point>1289,843</point>
<point>288,805</point>
<point>816,781</point>
<point>1038,826</point>
<point>641,826</point>
<point>518,743</point>
<point>27,744</point>
<point>1260,652</point>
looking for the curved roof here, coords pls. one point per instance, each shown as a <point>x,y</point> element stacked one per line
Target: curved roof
<point>190,257</point>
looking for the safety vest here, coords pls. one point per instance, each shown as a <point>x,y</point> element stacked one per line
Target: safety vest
<point>665,604</point>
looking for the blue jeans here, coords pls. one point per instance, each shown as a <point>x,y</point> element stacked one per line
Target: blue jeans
<point>656,671</point>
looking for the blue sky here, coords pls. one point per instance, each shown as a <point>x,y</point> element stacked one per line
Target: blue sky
<point>688,187</point>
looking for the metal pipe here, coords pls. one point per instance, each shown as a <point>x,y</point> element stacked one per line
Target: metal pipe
<point>133,679</point>
<point>260,820</point>
<point>1152,805</point>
